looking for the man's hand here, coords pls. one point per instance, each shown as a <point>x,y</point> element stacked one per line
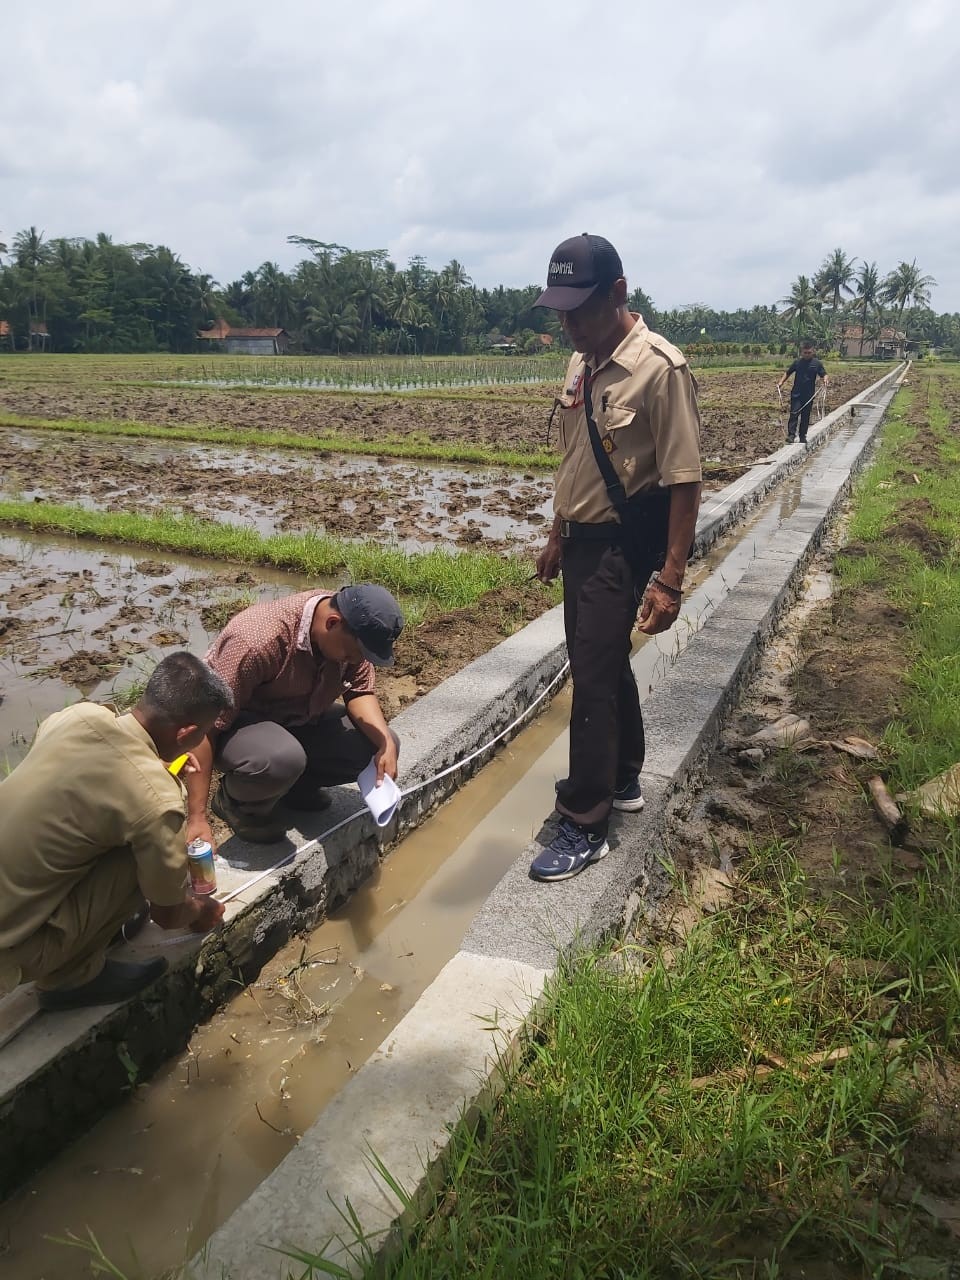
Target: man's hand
<point>207,914</point>
<point>198,828</point>
<point>658,610</point>
<point>199,915</point>
<point>386,758</point>
<point>548,561</point>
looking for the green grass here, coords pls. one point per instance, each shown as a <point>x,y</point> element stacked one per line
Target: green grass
<point>927,739</point>
<point>392,446</point>
<point>625,1148</point>
<point>449,580</point>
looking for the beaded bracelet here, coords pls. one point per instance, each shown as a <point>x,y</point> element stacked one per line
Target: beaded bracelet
<point>675,593</point>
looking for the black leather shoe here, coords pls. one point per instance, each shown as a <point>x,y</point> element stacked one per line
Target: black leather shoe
<point>309,799</point>
<point>116,981</point>
<point>266,830</point>
<point>130,928</point>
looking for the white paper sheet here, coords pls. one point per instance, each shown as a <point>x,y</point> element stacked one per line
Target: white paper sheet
<point>382,801</point>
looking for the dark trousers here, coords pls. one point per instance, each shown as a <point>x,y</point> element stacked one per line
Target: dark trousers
<point>263,761</point>
<point>600,602</point>
<point>800,408</point>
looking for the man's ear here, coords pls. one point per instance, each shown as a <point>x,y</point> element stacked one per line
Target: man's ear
<point>187,731</point>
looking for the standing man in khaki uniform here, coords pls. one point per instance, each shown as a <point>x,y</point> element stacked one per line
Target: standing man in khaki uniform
<point>626,498</point>
<point>93,829</point>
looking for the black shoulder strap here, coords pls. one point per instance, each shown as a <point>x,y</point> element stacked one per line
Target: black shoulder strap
<point>615,490</point>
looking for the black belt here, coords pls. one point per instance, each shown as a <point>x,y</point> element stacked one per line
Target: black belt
<point>608,532</point>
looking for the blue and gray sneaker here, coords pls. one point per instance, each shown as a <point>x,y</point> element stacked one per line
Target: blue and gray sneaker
<point>570,850</point>
<point>628,798</point>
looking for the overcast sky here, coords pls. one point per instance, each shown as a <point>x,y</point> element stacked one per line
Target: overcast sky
<point>724,147</point>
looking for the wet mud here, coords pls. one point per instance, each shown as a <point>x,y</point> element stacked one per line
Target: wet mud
<point>79,621</point>
<point>341,495</point>
<point>742,417</point>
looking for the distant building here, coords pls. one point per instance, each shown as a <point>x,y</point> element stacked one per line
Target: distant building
<point>888,344</point>
<point>246,342</point>
<point>39,336</point>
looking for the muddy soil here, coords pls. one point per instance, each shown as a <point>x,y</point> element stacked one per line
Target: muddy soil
<point>77,620</point>
<point>839,665</point>
<point>416,505</point>
<point>742,420</point>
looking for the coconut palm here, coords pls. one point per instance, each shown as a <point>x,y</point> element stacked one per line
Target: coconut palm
<point>800,303</point>
<point>867,296</point>
<point>835,277</point>
<point>907,283</point>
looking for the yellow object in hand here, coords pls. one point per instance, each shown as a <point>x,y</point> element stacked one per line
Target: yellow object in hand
<point>175,766</point>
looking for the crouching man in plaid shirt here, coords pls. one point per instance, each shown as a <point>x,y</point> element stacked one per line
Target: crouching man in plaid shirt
<point>288,664</point>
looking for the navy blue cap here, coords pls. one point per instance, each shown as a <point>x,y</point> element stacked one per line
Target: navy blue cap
<point>579,267</point>
<point>374,617</point>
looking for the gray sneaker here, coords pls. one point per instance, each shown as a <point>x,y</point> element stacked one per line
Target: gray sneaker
<point>628,798</point>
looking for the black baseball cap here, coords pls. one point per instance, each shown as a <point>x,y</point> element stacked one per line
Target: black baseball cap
<point>374,617</point>
<point>579,267</point>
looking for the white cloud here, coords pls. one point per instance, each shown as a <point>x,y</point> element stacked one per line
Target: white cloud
<point>723,148</point>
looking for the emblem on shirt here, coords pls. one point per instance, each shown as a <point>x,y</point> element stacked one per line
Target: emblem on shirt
<point>608,445</point>
<point>574,386</point>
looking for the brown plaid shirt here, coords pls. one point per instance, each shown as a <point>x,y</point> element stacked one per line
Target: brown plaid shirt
<point>265,655</point>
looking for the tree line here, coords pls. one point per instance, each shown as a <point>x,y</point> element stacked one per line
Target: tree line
<point>83,295</point>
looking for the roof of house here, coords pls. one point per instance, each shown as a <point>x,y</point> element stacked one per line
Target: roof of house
<point>223,330</point>
<point>38,327</point>
<point>887,334</point>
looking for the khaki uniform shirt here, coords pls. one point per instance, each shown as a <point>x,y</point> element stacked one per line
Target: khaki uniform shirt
<point>92,782</point>
<point>644,401</point>
<point>266,656</point>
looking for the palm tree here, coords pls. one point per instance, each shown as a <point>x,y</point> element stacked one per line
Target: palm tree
<point>30,253</point>
<point>867,296</point>
<point>206,288</point>
<point>907,283</point>
<point>272,293</point>
<point>404,307</point>
<point>835,277</point>
<point>800,303</point>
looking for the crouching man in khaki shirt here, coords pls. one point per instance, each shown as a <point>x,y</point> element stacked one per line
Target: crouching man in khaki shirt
<point>93,829</point>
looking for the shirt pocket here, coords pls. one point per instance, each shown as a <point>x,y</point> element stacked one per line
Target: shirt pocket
<point>615,417</point>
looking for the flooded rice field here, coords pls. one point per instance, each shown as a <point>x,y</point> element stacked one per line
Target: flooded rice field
<point>79,621</point>
<point>82,619</point>
<point>741,414</point>
<point>274,491</point>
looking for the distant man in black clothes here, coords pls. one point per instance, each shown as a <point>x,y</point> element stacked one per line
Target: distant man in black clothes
<point>805,372</point>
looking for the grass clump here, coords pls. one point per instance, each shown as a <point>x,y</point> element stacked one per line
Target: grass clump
<point>413,447</point>
<point>449,580</point>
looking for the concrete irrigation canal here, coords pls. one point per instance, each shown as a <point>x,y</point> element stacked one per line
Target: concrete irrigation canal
<point>372,1033</point>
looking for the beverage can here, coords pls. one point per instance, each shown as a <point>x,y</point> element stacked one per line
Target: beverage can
<point>203,872</point>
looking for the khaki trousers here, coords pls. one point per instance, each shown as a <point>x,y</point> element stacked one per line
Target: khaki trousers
<point>71,947</point>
